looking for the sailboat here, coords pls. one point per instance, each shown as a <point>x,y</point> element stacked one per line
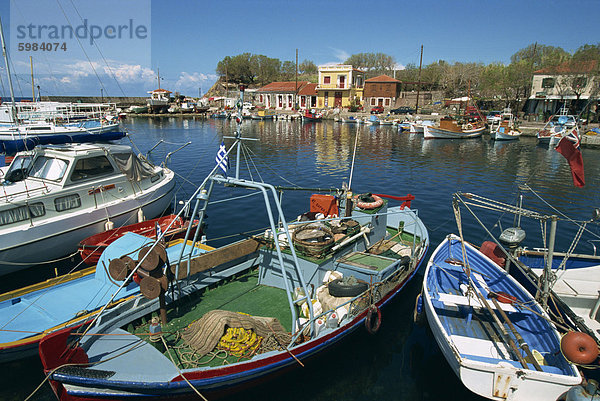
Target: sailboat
<point>19,131</point>
<point>275,299</point>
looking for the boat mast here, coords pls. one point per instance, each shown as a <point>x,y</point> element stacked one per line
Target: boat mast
<point>12,94</point>
<point>158,76</point>
<point>32,83</point>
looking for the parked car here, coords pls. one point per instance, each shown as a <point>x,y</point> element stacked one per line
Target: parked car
<point>403,110</point>
<point>493,116</point>
<point>377,110</point>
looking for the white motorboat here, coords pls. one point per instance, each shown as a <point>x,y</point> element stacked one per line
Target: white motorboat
<point>57,195</point>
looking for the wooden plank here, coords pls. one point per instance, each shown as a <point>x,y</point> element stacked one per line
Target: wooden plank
<point>217,257</point>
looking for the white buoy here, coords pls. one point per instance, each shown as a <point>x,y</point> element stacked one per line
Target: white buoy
<point>140,215</point>
<point>109,225</point>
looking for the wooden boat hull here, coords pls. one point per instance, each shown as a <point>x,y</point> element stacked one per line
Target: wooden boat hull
<point>484,364</point>
<point>92,247</point>
<point>162,380</point>
<point>431,132</point>
<point>211,381</point>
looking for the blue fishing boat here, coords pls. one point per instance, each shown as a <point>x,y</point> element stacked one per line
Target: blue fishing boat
<point>28,314</point>
<point>494,335</point>
<point>279,299</point>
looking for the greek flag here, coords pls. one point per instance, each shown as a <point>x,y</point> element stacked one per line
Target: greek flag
<point>222,159</point>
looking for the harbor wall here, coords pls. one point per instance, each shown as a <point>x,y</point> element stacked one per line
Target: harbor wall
<point>121,101</point>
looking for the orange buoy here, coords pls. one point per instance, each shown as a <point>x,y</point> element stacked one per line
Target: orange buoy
<point>579,348</point>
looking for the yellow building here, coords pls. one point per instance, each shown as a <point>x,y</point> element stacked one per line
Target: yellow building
<point>339,85</point>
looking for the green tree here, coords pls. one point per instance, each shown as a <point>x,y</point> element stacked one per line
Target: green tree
<point>308,67</point>
<point>372,63</point>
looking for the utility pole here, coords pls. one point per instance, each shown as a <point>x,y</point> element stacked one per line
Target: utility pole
<point>419,83</point>
<point>296,91</point>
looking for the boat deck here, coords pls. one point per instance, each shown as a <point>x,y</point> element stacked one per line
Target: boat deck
<point>241,294</point>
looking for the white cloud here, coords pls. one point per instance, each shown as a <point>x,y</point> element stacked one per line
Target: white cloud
<point>399,66</point>
<point>190,82</point>
<point>340,54</point>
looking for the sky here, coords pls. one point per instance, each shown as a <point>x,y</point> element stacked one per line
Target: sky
<point>135,40</point>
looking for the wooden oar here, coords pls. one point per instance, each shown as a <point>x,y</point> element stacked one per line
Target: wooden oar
<point>503,330</point>
<point>518,336</point>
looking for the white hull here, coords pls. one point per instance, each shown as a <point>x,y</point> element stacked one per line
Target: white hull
<point>433,132</point>
<point>495,381</point>
<point>54,239</point>
<point>48,232</point>
<point>24,131</point>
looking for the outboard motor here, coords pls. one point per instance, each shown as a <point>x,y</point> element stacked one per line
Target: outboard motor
<point>512,237</point>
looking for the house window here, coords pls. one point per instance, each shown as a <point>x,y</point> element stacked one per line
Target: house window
<point>548,83</point>
<point>68,202</point>
<point>387,102</point>
<point>372,101</point>
<point>326,79</point>
<point>261,99</point>
<point>280,101</point>
<point>303,101</point>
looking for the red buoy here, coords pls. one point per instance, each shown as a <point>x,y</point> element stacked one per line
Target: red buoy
<point>579,348</point>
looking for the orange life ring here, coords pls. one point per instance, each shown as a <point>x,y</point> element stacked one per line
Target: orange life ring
<point>579,348</point>
<point>368,205</point>
<point>373,326</point>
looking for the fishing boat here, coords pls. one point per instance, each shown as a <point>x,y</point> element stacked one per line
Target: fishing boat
<point>451,128</point>
<point>29,313</point>
<point>264,115</point>
<point>56,195</point>
<point>92,247</point>
<point>504,128</point>
<point>138,109</point>
<point>311,116</point>
<point>558,126</point>
<point>350,120</point>
<point>493,333</point>
<point>283,297</point>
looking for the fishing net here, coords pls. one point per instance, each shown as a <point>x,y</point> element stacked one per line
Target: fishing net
<point>204,334</point>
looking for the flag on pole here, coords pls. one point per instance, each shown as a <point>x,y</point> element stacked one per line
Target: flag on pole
<point>567,148</point>
<point>222,159</point>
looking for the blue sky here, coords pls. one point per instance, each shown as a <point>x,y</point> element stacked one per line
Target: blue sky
<point>185,39</point>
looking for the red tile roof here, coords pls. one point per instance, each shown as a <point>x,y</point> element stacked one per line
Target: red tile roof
<point>288,86</point>
<point>382,78</point>
<point>570,67</point>
<point>308,90</point>
<point>161,90</point>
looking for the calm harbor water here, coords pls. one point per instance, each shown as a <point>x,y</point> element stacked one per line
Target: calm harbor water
<point>401,362</point>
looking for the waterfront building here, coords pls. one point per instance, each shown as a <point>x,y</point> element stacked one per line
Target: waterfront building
<point>569,84</point>
<point>338,85</point>
<point>279,95</point>
<point>382,91</point>
<point>308,96</point>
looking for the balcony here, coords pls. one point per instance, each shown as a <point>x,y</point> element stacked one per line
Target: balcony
<point>338,86</point>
